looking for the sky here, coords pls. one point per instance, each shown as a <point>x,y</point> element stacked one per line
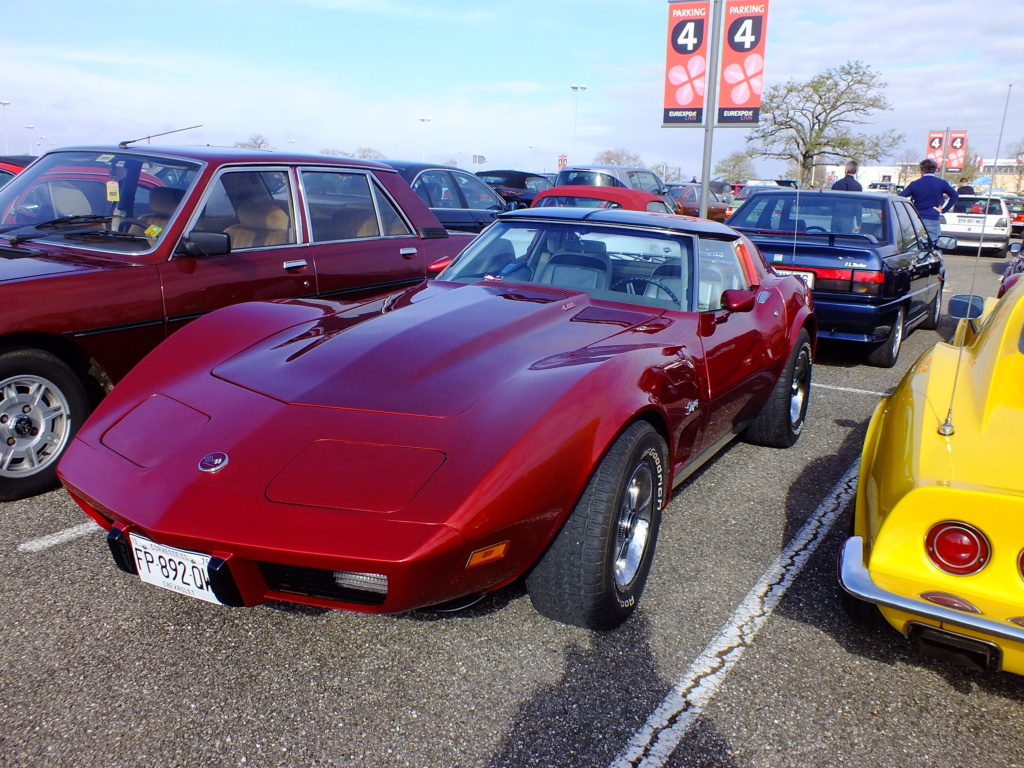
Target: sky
<point>448,80</point>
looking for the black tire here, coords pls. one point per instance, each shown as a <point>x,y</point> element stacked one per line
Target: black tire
<point>595,570</point>
<point>781,420</point>
<point>886,354</point>
<point>42,404</point>
<point>931,321</point>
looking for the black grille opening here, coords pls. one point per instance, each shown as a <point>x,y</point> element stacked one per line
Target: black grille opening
<point>315,582</point>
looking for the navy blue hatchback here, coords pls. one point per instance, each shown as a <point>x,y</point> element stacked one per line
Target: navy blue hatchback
<point>873,271</point>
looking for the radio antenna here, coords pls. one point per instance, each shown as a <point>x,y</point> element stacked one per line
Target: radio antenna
<point>946,428</point>
<point>124,144</point>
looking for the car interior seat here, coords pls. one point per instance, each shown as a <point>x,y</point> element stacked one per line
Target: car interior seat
<point>582,265</point>
<point>710,289</point>
<point>500,254</point>
<point>259,225</point>
<point>163,201</point>
<point>668,274</point>
<point>353,221</point>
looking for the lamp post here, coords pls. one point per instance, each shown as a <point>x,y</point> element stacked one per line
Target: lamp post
<point>30,127</point>
<point>7,146</point>
<point>40,144</point>
<point>423,140</point>
<point>576,117</point>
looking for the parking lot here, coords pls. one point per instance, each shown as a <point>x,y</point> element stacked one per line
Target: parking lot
<point>739,654</point>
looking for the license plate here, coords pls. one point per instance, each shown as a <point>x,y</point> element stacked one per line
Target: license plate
<point>171,568</point>
<point>807,277</point>
<point>974,220</point>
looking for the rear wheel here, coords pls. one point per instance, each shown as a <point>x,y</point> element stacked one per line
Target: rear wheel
<point>931,322</point>
<point>781,420</point>
<point>42,404</point>
<point>595,570</point>
<point>887,353</point>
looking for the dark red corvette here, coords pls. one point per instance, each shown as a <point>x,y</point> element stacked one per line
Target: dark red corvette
<point>527,413</point>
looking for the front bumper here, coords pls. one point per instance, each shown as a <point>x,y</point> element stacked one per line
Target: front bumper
<point>855,579</point>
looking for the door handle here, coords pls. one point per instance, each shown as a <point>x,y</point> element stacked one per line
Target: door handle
<point>296,264</point>
<point>407,253</point>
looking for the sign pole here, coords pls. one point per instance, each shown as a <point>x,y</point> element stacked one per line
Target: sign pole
<point>710,114</point>
<point>945,153</point>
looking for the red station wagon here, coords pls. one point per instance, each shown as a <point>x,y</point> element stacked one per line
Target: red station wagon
<point>104,252</point>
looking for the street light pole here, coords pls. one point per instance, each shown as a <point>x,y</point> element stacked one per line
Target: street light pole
<point>576,118</point>
<point>30,127</point>
<point>7,146</point>
<point>423,140</point>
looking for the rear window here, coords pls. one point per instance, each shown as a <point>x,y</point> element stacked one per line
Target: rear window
<point>977,205</point>
<point>812,214</point>
<point>588,179</point>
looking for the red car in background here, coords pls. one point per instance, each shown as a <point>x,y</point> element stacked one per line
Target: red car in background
<point>10,165</point>
<point>106,251</point>
<point>527,413</point>
<point>579,196</point>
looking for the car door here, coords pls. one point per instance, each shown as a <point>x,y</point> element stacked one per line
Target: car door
<point>480,200</point>
<point>360,241</point>
<point>917,264</point>
<point>737,349</point>
<point>255,207</point>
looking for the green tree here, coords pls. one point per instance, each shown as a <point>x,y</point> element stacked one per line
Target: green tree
<point>814,123</point>
<point>734,168</point>
<point>618,156</point>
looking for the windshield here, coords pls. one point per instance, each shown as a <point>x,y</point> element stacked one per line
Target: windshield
<point>101,200</point>
<point>607,262</point>
<point>812,213</point>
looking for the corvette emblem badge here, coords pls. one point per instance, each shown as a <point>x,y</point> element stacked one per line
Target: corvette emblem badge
<point>213,462</point>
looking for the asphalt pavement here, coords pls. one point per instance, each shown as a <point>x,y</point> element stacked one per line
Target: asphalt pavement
<point>739,654</point>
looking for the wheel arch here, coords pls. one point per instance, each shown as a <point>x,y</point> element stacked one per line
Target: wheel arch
<point>96,381</point>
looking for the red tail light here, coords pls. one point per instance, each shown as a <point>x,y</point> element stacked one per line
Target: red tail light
<point>957,548</point>
<point>867,281</point>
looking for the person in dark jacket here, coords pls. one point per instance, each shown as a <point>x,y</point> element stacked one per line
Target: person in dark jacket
<point>931,197</point>
<point>964,188</point>
<point>849,182</point>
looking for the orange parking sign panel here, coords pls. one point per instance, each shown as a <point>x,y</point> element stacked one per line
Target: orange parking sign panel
<point>957,151</point>
<point>742,74</point>
<point>936,140</point>
<point>686,63</point>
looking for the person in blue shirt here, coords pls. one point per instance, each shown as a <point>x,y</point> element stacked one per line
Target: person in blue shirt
<point>931,197</point>
<point>849,182</point>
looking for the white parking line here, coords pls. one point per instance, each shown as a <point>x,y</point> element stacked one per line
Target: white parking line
<point>854,391</point>
<point>653,744</point>
<point>45,542</point>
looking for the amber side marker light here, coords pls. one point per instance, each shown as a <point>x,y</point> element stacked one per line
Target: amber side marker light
<point>487,554</point>
<point>950,601</point>
<point>957,548</point>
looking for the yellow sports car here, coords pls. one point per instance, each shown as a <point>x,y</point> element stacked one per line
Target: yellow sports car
<point>937,540</point>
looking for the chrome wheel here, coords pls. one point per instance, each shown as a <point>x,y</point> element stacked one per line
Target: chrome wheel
<point>35,425</point>
<point>799,387</point>
<point>633,527</point>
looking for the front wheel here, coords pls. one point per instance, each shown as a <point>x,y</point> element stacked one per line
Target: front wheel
<point>887,353</point>
<point>42,404</point>
<point>781,419</point>
<point>595,570</point>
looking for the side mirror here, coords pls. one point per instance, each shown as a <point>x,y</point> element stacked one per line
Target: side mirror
<point>737,300</point>
<point>439,265</point>
<point>1014,249</point>
<point>965,307</point>
<point>946,243</point>
<point>199,244</point>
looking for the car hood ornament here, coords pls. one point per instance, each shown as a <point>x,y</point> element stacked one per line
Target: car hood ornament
<point>213,462</point>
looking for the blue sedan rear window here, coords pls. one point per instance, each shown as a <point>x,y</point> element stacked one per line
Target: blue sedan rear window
<point>813,213</point>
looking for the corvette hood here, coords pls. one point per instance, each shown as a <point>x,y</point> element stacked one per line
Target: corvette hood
<point>431,351</point>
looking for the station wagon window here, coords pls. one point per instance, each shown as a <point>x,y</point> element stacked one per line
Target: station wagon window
<point>537,183</point>
<point>254,208</point>
<point>436,189</point>
<point>478,195</point>
<point>646,182</point>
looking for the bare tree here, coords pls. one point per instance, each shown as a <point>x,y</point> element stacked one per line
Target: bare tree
<point>255,141</point>
<point>668,173</point>
<point>735,168</point>
<point>334,152</point>
<point>618,157</point>
<point>369,153</point>
<point>811,123</point>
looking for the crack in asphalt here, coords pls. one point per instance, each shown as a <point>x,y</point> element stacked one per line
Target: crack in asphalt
<point>657,739</point>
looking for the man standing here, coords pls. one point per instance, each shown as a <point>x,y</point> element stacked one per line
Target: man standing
<point>964,188</point>
<point>927,194</point>
<point>849,182</point>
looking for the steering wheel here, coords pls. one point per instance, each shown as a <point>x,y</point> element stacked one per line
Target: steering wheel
<point>815,227</point>
<point>125,225</point>
<point>649,281</point>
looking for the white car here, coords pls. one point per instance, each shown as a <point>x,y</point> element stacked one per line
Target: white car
<point>977,220</point>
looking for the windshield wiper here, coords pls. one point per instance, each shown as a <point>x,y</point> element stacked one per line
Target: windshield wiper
<point>55,224</point>
<point>104,234</point>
